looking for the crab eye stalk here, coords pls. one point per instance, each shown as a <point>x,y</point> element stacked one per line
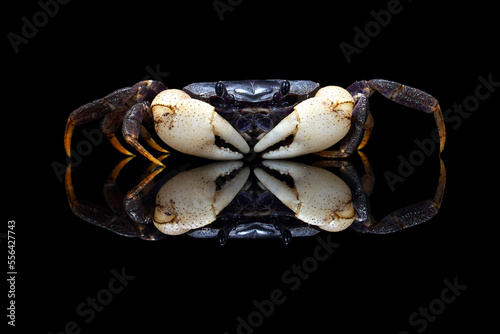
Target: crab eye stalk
<point>220,88</point>
<point>221,91</point>
<point>286,235</point>
<point>284,90</point>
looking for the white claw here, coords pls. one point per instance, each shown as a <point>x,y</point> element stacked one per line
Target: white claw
<point>318,198</point>
<point>190,126</point>
<point>190,199</point>
<point>316,124</point>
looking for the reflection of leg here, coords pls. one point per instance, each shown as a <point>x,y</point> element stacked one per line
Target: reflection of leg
<point>93,213</point>
<point>360,188</point>
<point>408,216</point>
<point>132,203</point>
<point>112,194</point>
<point>113,218</point>
<point>368,179</point>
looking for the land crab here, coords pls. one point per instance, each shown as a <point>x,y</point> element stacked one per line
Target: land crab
<point>277,119</point>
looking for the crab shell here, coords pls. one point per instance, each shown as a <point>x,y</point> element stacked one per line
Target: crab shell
<point>191,126</point>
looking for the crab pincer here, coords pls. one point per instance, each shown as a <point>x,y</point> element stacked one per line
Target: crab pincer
<point>315,124</point>
<point>191,126</point>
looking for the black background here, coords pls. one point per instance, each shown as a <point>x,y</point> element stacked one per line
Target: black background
<point>370,283</point>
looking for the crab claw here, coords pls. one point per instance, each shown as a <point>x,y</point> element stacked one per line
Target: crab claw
<point>318,198</point>
<point>315,124</point>
<point>191,200</point>
<point>191,126</point>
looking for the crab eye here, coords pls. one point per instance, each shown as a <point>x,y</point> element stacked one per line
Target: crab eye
<point>221,91</point>
<point>285,88</point>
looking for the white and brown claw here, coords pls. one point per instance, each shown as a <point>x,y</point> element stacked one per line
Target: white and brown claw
<point>191,126</point>
<point>315,124</point>
<point>191,200</point>
<point>319,197</point>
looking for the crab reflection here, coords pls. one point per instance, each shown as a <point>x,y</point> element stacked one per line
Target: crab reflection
<point>230,200</point>
<point>226,191</point>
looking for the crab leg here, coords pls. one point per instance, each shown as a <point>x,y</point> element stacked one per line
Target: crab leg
<point>113,107</point>
<point>94,110</point>
<point>404,95</point>
<point>151,142</point>
<point>132,128</point>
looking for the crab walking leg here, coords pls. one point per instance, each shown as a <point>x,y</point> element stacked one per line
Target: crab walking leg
<point>94,110</point>
<point>369,124</point>
<point>151,142</point>
<point>191,126</point>
<point>112,107</point>
<point>132,125</point>
<point>315,124</point>
<point>404,95</point>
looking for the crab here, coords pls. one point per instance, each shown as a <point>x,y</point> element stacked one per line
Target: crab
<point>276,119</point>
<point>237,200</point>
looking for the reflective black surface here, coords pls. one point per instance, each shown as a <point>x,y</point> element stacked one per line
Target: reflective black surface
<point>247,200</point>
<point>75,277</point>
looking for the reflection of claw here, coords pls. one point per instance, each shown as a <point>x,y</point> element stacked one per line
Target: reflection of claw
<point>319,197</point>
<point>191,126</point>
<point>315,124</point>
<point>191,200</point>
